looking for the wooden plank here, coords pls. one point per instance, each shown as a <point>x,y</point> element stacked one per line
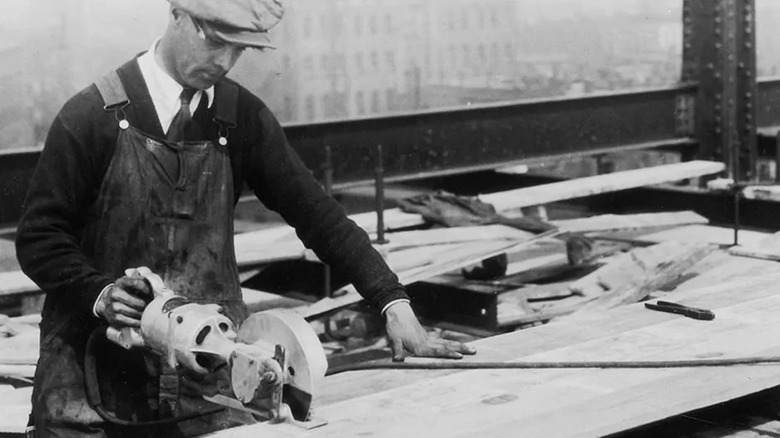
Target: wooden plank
<point>15,408</point>
<point>766,249</point>
<point>705,233</point>
<point>417,266</point>
<point>530,403</point>
<point>257,301</point>
<point>15,283</point>
<point>724,266</point>
<point>555,335</point>
<point>632,276</point>
<point>441,236</point>
<point>612,182</point>
<point>613,222</point>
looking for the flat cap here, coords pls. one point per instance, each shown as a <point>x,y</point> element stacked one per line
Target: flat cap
<point>244,22</point>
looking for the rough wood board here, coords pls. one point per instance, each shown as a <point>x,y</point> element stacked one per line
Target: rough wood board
<point>15,408</point>
<point>611,222</point>
<point>631,276</point>
<point>420,264</point>
<point>593,402</point>
<point>16,282</point>
<point>612,182</point>
<point>766,249</point>
<point>706,233</point>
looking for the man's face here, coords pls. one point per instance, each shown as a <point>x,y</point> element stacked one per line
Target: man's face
<point>201,61</point>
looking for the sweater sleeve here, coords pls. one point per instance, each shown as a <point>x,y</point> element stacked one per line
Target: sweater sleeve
<point>61,191</point>
<point>283,183</point>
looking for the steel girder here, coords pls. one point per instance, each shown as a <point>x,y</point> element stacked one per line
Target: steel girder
<point>719,54</point>
<point>480,137</point>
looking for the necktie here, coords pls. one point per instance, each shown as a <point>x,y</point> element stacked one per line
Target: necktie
<point>183,117</point>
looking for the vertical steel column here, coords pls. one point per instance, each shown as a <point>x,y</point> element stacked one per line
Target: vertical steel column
<point>685,108</point>
<point>747,90</point>
<point>719,54</point>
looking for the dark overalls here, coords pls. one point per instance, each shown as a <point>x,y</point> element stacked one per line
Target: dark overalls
<point>182,229</point>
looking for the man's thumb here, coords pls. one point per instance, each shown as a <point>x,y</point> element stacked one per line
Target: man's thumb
<point>397,346</point>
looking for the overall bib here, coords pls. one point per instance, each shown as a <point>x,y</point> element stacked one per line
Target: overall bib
<point>182,229</point>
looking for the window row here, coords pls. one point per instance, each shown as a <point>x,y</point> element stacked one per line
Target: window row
<point>337,105</point>
<point>336,25</point>
<point>361,62</point>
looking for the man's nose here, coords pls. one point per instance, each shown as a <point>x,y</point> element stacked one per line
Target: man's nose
<point>227,57</point>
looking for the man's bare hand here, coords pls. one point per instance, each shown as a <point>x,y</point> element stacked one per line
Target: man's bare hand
<point>407,336</point>
<point>124,302</point>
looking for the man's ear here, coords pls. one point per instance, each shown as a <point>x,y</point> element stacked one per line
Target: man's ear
<point>177,15</point>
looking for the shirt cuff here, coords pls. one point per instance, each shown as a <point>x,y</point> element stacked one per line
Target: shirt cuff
<point>100,295</point>
<point>391,303</point>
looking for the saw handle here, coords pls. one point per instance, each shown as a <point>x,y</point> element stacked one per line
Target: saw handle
<point>96,343</point>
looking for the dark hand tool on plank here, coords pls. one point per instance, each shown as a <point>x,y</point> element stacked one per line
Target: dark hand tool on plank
<point>691,312</point>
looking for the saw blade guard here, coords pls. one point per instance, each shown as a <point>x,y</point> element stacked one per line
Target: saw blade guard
<point>305,363</point>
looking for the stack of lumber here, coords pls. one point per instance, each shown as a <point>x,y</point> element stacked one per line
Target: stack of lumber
<point>565,403</point>
<point>634,257</point>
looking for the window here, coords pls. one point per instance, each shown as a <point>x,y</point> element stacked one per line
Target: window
<point>390,61</point>
<point>359,62</point>
<point>307,25</point>
<point>375,102</point>
<point>310,108</point>
<point>372,25</point>
<point>325,63</point>
<point>374,61</point>
<point>358,25</point>
<point>289,110</point>
<point>360,104</point>
<point>390,99</point>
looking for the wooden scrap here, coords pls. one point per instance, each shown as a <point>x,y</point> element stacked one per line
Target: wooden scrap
<point>15,406</point>
<point>442,236</point>
<point>723,266</point>
<point>612,182</point>
<point>767,249</point>
<point>705,233</point>
<point>446,259</point>
<point>16,282</point>
<point>614,222</point>
<point>630,277</point>
<point>255,247</point>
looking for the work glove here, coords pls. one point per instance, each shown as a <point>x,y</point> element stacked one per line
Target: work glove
<point>408,336</point>
<point>122,304</point>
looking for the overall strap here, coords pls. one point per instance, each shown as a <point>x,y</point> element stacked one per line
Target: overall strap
<point>226,100</point>
<point>114,96</point>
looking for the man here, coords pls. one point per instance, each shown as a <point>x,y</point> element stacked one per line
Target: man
<point>144,169</point>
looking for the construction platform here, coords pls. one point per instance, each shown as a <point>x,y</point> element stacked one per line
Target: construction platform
<point>542,307</point>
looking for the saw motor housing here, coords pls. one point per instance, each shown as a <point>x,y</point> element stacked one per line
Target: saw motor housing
<point>275,358</point>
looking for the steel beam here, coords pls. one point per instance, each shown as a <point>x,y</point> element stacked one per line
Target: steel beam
<point>719,54</point>
<point>463,140</point>
<point>475,138</point>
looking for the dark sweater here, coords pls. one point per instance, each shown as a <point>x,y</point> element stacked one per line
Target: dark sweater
<point>79,148</point>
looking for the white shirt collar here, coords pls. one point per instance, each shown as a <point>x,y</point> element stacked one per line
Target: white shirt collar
<point>165,91</point>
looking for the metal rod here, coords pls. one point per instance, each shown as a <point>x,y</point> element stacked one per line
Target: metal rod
<point>737,195</point>
<point>379,185</point>
<point>693,363</point>
<point>327,170</point>
<point>777,156</point>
